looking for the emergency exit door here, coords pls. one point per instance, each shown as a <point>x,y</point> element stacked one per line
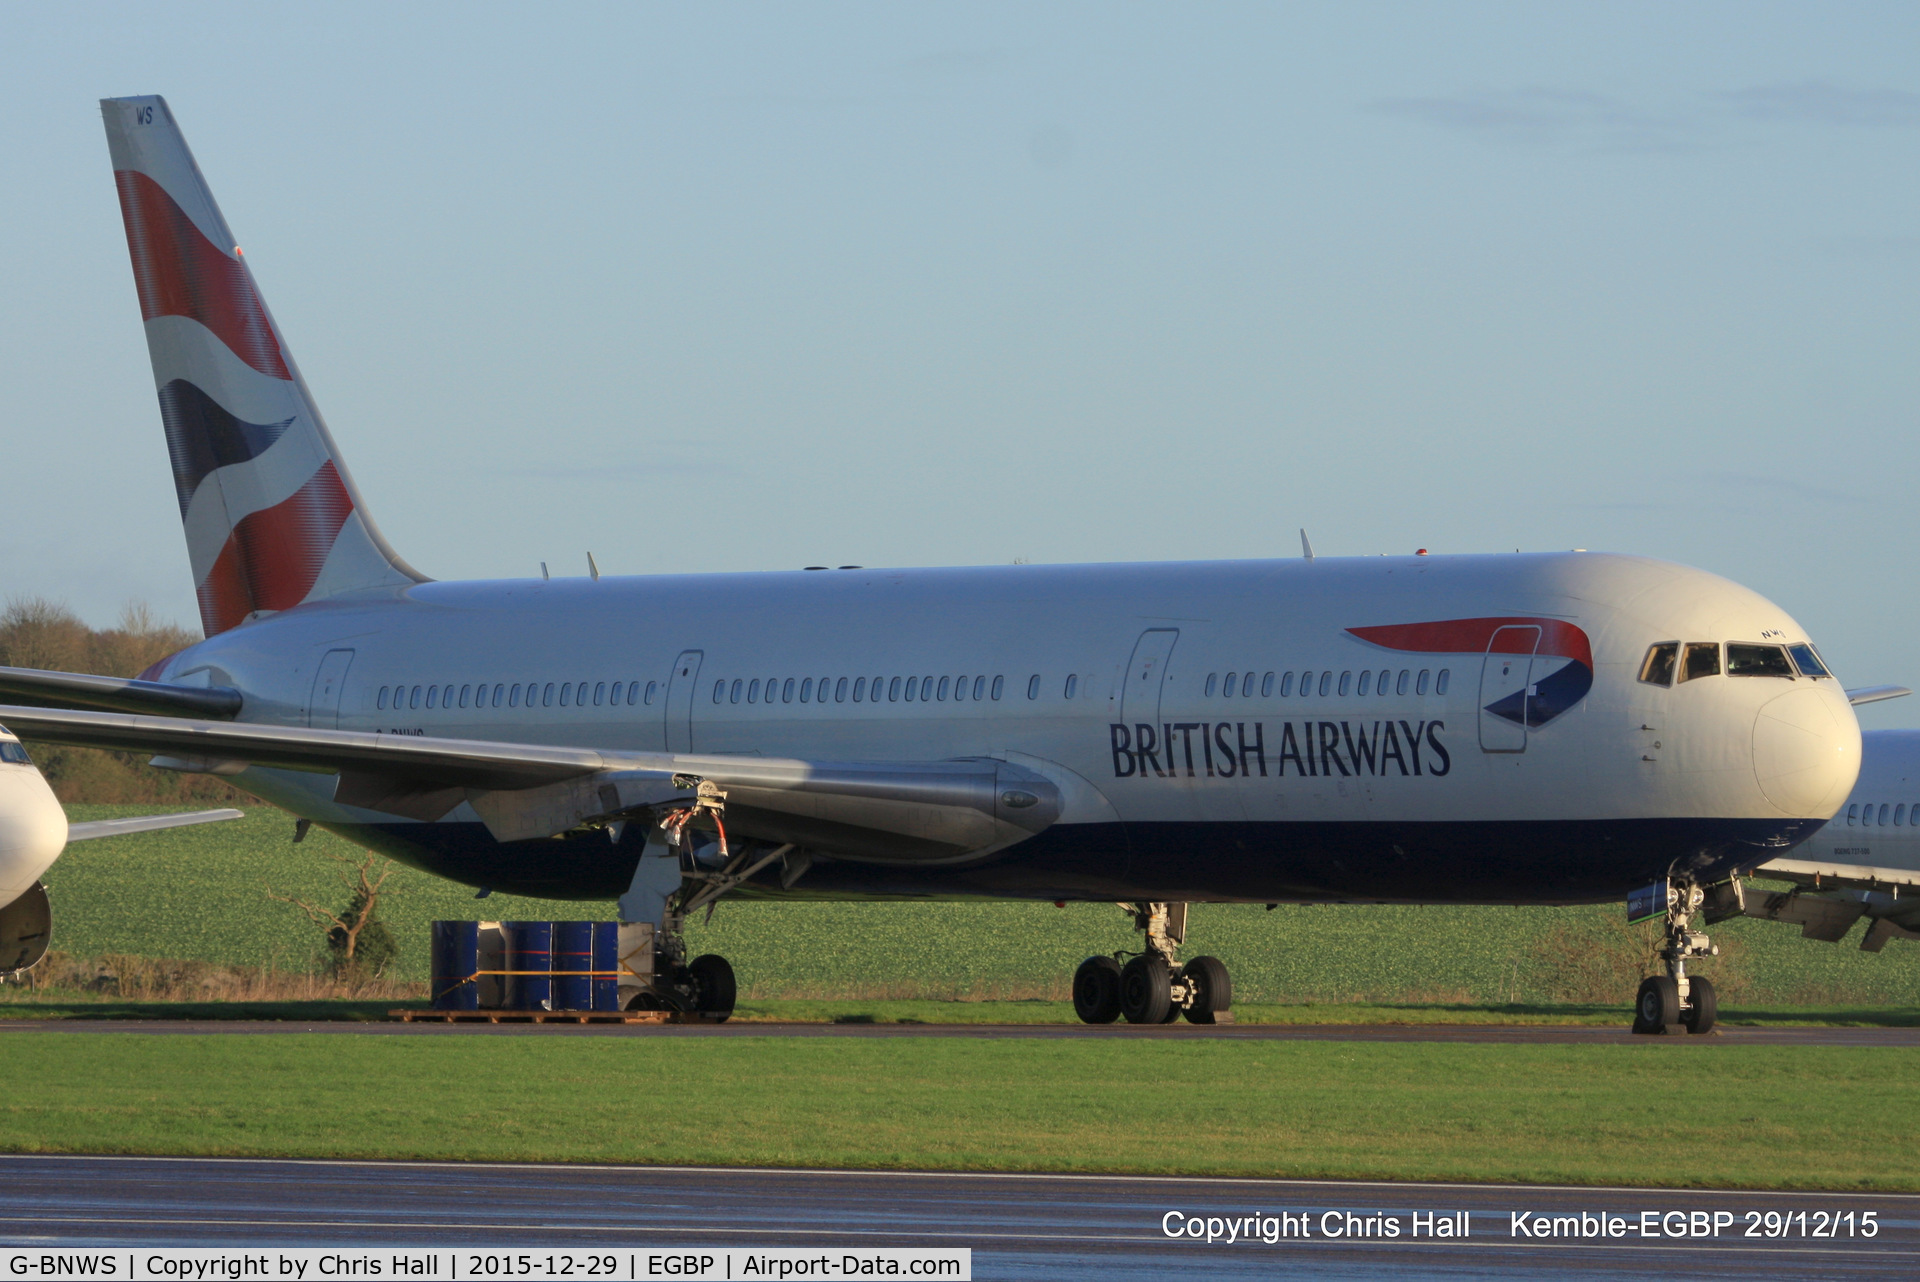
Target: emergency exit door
<point>679,714</point>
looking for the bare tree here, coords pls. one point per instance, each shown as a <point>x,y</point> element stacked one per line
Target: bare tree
<point>358,924</point>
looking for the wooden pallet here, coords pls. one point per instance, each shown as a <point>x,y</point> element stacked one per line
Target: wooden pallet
<point>550,1017</point>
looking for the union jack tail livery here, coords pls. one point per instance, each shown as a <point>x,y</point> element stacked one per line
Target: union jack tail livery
<point>272,516</point>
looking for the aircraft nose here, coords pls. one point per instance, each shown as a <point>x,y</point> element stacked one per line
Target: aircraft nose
<point>1806,751</point>
<point>33,830</point>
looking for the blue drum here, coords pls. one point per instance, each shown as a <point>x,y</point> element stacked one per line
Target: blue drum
<point>572,960</point>
<point>606,965</point>
<point>455,957</point>
<point>529,965</point>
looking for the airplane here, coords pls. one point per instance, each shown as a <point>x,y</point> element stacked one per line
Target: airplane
<point>1500,729</point>
<point>33,833</point>
<point>1865,862</point>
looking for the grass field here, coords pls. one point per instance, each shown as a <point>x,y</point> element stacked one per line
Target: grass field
<point>201,893</point>
<point>1713,1116</point>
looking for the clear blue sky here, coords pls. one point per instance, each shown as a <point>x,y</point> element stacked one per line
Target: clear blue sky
<point>740,287</point>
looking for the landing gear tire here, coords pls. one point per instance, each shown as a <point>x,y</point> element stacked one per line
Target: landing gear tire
<point>1211,988</point>
<point>1657,1007</point>
<point>1146,990</point>
<point>1096,990</point>
<point>713,988</point>
<point>1703,1006</point>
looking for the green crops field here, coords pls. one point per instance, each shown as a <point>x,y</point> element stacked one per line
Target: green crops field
<point>202,893</point>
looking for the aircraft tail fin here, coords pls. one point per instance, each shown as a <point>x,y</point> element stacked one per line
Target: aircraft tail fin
<point>271,514</point>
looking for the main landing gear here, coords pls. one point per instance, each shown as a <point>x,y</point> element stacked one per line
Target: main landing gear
<point>1677,1002</point>
<point>1153,987</point>
<point>673,880</point>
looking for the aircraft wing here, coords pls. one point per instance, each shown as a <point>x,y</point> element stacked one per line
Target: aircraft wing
<point>119,694</point>
<point>146,823</point>
<point>889,812</point>
<point>1874,694</point>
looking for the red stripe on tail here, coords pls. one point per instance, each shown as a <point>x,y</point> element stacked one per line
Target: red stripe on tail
<point>273,557</point>
<point>179,272</point>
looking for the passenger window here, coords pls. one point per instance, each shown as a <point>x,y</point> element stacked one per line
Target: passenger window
<point>786,691</point>
<point>513,696</point>
<point>734,691</point>
<point>998,683</point>
<point>1853,811</point>
<point>1246,685</point>
<point>1233,683</point>
<point>893,690</point>
<point>1420,682</point>
<point>1899,815</point>
<point>413,697</point>
<point>1440,682</point>
<point>381,702</point>
<point>600,692</point>
<point>944,683</point>
<point>1326,680</point>
<point>913,688</point>
<point>1286,685</point>
<point>860,688</point>
<point>1266,686</point>
<point>1744,660</point>
<point>433,693</point>
<point>464,691</point>
<point>1366,678</point>
<point>840,691</point>
<point>753,690</point>
<point>546,695</point>
<point>653,688</point>
<point>1033,686</point>
<point>806,690</point>
<point>500,690</point>
<point>1380,686</point>
<point>1346,684</point>
<point>1883,814</point>
<point>1807,661</point>
<point>979,688</point>
<point>960,688</point>
<point>1657,668</point>
<point>1073,684</point>
<point>926,688</point>
<point>1400,685</point>
<point>1702,660</point>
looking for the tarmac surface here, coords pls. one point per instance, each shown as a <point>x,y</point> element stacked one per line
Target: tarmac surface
<point>1018,1226</point>
<point>1506,1034</point>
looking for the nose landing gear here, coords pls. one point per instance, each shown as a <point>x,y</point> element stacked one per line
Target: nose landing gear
<point>1153,987</point>
<point>1677,1002</point>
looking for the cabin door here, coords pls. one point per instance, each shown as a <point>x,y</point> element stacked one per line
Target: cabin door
<point>323,706</point>
<point>1504,688</point>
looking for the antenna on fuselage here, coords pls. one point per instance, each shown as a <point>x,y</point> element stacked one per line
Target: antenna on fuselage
<point>1306,545</point>
<point>593,569</point>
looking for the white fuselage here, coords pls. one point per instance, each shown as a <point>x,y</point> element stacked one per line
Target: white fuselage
<point>1398,788</point>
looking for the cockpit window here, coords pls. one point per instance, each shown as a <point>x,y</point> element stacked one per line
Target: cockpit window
<point>1807,661</point>
<point>1703,660</point>
<point>1744,660</point>
<point>1661,661</point>
<point>14,754</point>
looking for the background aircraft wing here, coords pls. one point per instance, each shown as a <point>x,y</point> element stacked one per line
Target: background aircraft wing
<point>118,694</point>
<point>145,823</point>
<point>1874,694</point>
<point>892,812</point>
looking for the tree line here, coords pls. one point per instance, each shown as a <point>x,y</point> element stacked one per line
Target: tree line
<point>37,633</point>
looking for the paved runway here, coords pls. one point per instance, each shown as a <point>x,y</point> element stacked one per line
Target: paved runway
<point>1019,1226</point>
<point>1509,1034</point>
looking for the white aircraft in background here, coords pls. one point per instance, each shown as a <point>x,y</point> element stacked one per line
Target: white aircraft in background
<point>33,832</point>
<point>1865,862</point>
<point>1541,729</point>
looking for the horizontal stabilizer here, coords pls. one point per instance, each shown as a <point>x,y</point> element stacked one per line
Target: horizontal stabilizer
<point>146,823</point>
<point>118,694</point>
